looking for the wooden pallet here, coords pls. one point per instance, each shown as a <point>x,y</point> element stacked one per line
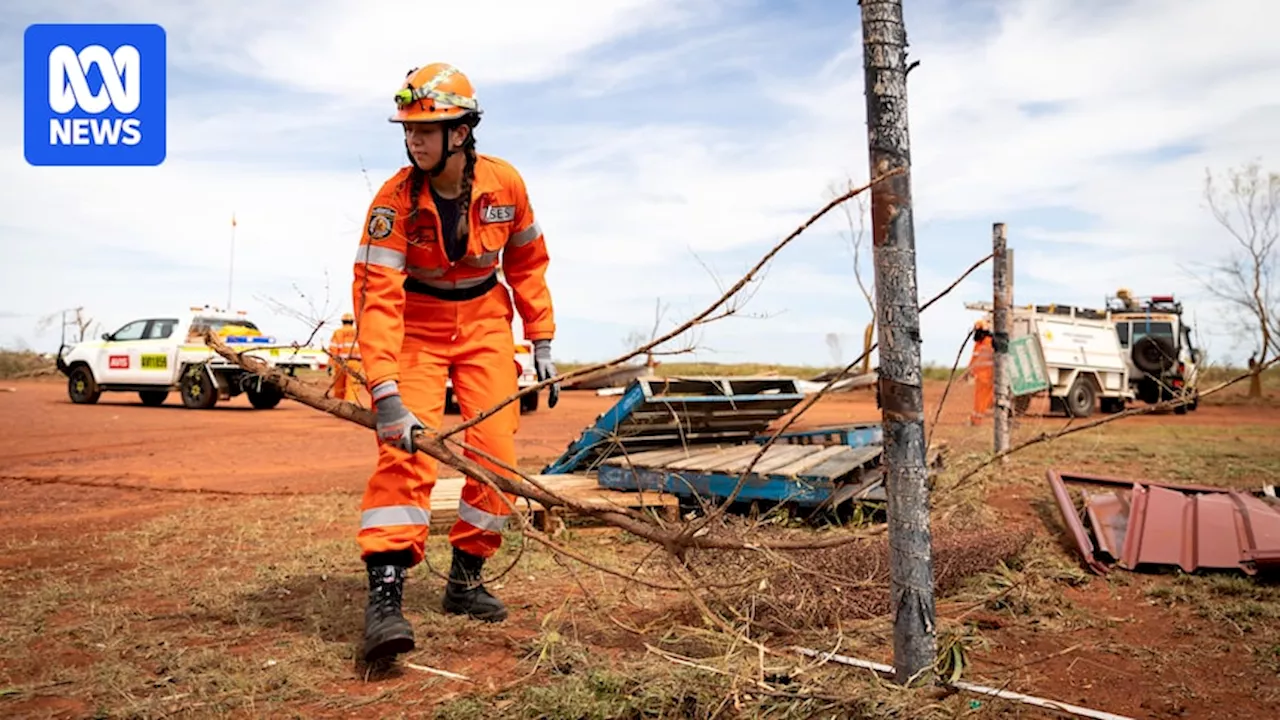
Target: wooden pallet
<point>583,488</point>
<point>804,474</point>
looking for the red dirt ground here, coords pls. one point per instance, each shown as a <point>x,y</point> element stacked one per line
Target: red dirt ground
<point>118,442</point>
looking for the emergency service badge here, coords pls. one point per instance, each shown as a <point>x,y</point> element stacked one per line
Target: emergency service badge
<point>380,221</point>
<point>498,214</point>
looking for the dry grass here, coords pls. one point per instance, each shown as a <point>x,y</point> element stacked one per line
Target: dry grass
<point>260,613</point>
<point>254,607</point>
<point>24,363</point>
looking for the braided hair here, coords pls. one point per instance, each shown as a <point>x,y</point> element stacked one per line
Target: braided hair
<point>468,179</point>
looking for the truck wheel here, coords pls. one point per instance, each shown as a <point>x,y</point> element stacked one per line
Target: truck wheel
<point>153,398</point>
<point>529,403</point>
<point>198,391</point>
<point>81,387</point>
<point>1080,398</point>
<point>265,398</point>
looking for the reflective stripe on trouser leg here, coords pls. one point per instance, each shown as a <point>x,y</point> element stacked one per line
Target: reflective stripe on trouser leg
<point>481,519</point>
<point>395,511</point>
<point>484,375</point>
<point>393,516</point>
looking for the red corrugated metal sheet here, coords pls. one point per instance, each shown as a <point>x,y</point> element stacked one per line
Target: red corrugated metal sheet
<point>1154,523</point>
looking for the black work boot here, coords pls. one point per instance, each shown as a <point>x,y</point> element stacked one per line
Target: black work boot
<point>464,595</point>
<point>386,632</point>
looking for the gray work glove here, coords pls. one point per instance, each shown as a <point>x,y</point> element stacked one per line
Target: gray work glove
<point>394,421</point>
<point>546,369</point>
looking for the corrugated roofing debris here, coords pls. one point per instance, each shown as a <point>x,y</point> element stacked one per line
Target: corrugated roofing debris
<point>1140,523</point>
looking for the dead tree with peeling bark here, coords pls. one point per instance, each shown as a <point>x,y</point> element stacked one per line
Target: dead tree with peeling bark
<point>74,319</point>
<point>1248,208</point>
<point>884,42</point>
<point>1000,320</point>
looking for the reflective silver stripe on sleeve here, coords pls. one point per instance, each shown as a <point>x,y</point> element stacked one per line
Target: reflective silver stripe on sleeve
<point>385,257</point>
<point>474,516</point>
<point>525,236</point>
<point>394,515</point>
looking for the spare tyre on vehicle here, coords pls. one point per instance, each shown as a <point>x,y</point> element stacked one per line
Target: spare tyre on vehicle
<point>1154,354</point>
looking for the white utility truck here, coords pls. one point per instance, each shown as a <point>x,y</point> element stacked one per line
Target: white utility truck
<point>1072,353</point>
<point>154,356</point>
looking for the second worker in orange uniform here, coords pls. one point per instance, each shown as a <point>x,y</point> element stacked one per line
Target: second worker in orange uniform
<point>342,346</point>
<point>430,307</point>
<point>982,371</point>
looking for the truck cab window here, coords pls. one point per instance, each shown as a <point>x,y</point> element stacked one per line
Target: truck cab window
<point>132,331</point>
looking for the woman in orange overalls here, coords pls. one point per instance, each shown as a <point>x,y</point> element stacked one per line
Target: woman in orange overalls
<point>429,306</point>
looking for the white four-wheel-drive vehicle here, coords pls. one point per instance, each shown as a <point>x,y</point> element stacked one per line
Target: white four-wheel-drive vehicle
<point>1072,353</point>
<point>156,355</point>
<point>1163,360</point>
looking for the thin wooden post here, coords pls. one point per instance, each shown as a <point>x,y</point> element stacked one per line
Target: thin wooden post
<point>884,41</point>
<point>1001,308</point>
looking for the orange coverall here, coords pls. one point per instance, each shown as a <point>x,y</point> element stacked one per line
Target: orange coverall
<point>343,344</point>
<point>420,341</point>
<point>982,368</point>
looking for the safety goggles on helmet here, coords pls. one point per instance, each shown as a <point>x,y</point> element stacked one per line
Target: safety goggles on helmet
<point>438,92</point>
<point>407,97</point>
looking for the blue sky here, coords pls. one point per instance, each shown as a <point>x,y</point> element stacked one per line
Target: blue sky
<point>674,142</point>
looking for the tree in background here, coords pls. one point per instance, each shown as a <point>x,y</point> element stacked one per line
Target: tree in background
<point>1246,203</point>
<point>74,319</point>
<point>856,221</point>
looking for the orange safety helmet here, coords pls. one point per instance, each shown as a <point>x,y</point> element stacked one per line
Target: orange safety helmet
<point>982,324</point>
<point>438,92</point>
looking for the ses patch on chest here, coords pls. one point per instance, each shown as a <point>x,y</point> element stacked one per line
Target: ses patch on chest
<point>498,214</point>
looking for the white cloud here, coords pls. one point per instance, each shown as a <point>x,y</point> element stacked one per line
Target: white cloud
<point>628,203</point>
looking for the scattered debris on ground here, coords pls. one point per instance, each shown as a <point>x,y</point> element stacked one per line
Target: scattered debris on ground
<point>1137,523</point>
<point>814,589</point>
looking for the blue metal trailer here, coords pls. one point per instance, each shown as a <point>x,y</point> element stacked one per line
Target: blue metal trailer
<point>694,437</point>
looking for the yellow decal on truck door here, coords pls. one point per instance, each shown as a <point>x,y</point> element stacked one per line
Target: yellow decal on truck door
<point>155,362</point>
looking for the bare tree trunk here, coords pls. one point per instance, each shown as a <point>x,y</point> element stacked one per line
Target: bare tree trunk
<point>901,391</point>
<point>1000,337</point>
